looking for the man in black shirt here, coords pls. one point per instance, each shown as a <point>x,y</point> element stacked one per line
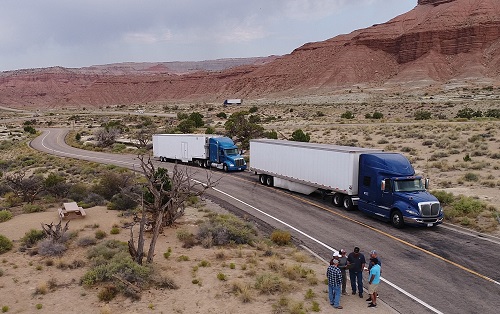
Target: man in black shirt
<point>356,263</point>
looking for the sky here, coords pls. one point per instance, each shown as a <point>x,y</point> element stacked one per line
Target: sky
<point>80,33</point>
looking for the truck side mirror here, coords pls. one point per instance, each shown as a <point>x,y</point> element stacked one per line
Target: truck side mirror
<point>382,185</point>
<point>426,183</point>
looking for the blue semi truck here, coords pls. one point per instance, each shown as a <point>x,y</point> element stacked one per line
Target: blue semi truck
<point>380,184</point>
<point>201,149</point>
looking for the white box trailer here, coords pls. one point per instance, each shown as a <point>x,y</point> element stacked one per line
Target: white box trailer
<point>306,167</point>
<point>183,147</point>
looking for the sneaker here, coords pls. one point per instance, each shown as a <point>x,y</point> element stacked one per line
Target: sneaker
<point>361,295</point>
<point>339,307</point>
<point>372,305</point>
<point>369,299</point>
<point>344,293</point>
<point>354,293</point>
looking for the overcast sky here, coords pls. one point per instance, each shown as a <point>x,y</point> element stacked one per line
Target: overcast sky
<point>78,33</point>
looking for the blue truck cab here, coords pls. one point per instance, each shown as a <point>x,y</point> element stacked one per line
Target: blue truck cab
<point>223,153</point>
<point>388,189</point>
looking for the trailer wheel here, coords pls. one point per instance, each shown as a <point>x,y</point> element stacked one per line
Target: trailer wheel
<point>269,181</point>
<point>397,219</point>
<point>347,203</point>
<point>262,179</point>
<point>338,199</point>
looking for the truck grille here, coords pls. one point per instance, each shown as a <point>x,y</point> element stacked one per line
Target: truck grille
<point>429,209</point>
<point>239,162</point>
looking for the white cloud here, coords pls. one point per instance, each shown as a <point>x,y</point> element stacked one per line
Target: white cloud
<point>148,37</point>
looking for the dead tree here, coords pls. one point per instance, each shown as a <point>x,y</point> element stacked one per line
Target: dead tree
<point>55,233</point>
<point>163,202</point>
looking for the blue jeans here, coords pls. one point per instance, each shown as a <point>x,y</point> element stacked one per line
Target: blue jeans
<point>334,295</point>
<point>356,276</point>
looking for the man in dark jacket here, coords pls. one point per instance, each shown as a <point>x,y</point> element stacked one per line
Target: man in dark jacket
<point>356,263</point>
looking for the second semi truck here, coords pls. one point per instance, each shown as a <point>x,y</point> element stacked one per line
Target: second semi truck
<point>380,184</point>
<point>201,149</point>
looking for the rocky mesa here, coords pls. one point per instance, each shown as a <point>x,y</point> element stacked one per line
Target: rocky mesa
<point>437,43</point>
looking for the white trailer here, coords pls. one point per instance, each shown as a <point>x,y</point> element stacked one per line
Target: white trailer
<point>182,147</point>
<point>307,167</point>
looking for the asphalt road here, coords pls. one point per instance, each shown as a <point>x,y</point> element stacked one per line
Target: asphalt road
<point>443,269</point>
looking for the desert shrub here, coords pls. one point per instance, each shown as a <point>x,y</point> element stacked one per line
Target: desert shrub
<point>86,241</point>
<point>5,215</point>
<point>5,309</point>
<point>32,208</point>
<point>51,248</point>
<point>164,282</point>
<point>468,206</point>
<point>377,115</point>
<point>253,109</point>
<point>167,253</point>
<point>115,230</point>
<point>221,277</point>
<point>347,115</point>
<point>269,283</point>
<point>281,237</point>
<point>209,130</point>
<point>112,258</point>
<point>315,306</point>
<point>382,141</point>
<point>422,115</point>
<point>225,229</point>
<point>271,134</point>
<point>100,234</point>
<point>300,136</point>
<point>183,258</point>
<point>221,115</point>
<point>5,244</point>
<point>32,237</point>
<point>470,176</point>
<point>187,238</point>
<point>445,198</point>
<point>107,293</point>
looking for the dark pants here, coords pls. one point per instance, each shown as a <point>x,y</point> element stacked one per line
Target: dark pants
<point>344,280</point>
<point>356,276</point>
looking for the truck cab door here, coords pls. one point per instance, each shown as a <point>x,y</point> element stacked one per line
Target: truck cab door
<point>222,156</point>
<point>387,197</point>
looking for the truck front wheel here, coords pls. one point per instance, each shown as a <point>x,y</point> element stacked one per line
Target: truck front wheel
<point>224,167</point>
<point>397,219</point>
<point>347,203</point>
<point>337,199</point>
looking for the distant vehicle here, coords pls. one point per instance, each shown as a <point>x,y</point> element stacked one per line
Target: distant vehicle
<point>233,102</point>
<point>381,184</point>
<point>201,149</point>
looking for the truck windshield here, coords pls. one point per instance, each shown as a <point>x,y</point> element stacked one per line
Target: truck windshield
<point>231,151</point>
<point>408,185</point>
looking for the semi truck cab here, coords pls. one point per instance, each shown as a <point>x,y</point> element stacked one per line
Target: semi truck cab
<point>224,153</point>
<point>389,189</point>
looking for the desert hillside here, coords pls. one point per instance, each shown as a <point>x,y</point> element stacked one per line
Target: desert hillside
<point>440,44</point>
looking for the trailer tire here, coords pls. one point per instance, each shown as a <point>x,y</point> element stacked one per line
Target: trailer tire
<point>397,219</point>
<point>269,181</point>
<point>262,179</point>
<point>347,202</point>
<point>337,199</point>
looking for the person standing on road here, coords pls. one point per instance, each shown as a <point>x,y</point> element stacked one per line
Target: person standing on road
<point>334,276</point>
<point>373,254</point>
<point>356,263</point>
<point>374,280</point>
<point>343,266</point>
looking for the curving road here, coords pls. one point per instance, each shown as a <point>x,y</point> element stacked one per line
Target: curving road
<point>443,269</point>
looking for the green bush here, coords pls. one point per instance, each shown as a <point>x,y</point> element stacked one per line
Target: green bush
<point>225,229</point>
<point>32,208</point>
<point>281,237</point>
<point>32,237</point>
<point>112,258</point>
<point>468,206</point>
<point>443,197</point>
<point>5,215</point>
<point>347,115</point>
<point>5,244</point>
<point>377,115</point>
<point>422,115</point>
<point>100,234</point>
<point>470,176</point>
